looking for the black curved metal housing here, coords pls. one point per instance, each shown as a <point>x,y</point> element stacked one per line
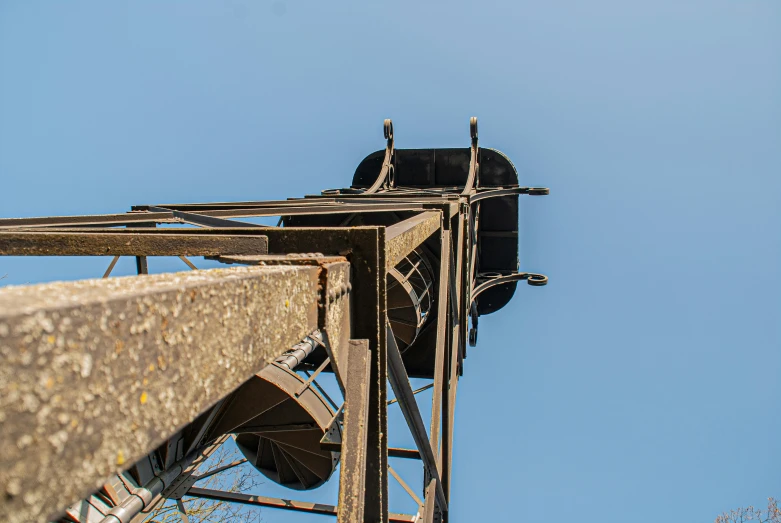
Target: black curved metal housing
<point>447,170</point>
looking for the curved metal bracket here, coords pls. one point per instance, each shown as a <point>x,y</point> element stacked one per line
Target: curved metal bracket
<point>474,166</point>
<point>536,280</point>
<point>387,174</point>
<point>473,315</point>
<point>498,193</point>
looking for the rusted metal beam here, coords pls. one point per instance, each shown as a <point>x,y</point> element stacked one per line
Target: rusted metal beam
<point>97,219</point>
<point>149,228</point>
<point>128,243</point>
<point>365,249</point>
<point>441,341</point>
<point>279,259</point>
<point>119,365</point>
<point>403,391</point>
<point>207,221</point>
<point>444,319</point>
<point>457,332</point>
<point>312,200</point>
<point>314,209</point>
<point>286,504</point>
<point>404,237</point>
<point>500,193</point>
<point>416,391</point>
<point>395,452</point>
<point>352,479</point>
<point>429,507</point>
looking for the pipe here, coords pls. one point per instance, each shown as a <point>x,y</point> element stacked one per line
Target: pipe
<point>292,358</point>
<point>142,497</point>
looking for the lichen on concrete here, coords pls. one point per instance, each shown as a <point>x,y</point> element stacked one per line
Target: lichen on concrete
<point>96,373</point>
<point>404,237</point>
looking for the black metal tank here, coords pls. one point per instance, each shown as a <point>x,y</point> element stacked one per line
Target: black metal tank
<point>447,170</point>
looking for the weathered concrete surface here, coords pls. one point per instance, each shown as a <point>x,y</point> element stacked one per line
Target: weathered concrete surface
<point>404,237</point>
<point>95,374</point>
<point>336,315</point>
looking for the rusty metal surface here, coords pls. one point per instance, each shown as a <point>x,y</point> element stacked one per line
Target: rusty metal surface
<point>364,247</point>
<point>377,453</point>
<point>404,237</point>
<point>315,209</point>
<point>211,221</point>
<point>385,178</point>
<point>335,313</point>
<point>401,387</point>
<point>474,161</point>
<point>352,482</point>
<point>457,332</point>
<point>498,193</point>
<point>287,504</point>
<point>441,343</point>
<point>96,373</point>
<point>313,201</point>
<point>395,452</point>
<point>279,415</point>
<point>97,219</point>
<point>487,281</point>
<point>128,243</point>
<point>277,259</point>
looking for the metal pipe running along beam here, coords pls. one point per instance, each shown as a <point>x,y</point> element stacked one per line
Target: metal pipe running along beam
<point>98,373</point>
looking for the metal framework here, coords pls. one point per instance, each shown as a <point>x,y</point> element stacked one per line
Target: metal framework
<point>115,390</point>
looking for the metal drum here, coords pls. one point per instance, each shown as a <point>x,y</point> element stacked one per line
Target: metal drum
<point>410,291</point>
<point>277,420</point>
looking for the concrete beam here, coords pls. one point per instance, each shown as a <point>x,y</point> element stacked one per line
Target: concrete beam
<point>95,374</point>
<point>404,237</point>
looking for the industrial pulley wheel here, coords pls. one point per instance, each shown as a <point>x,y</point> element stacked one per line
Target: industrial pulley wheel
<point>409,294</point>
<point>277,419</point>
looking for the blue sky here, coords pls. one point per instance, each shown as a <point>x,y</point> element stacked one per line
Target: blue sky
<point>642,384</point>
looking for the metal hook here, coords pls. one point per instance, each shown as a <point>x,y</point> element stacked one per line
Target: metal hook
<point>474,166</point>
<point>387,127</point>
<point>533,279</point>
<point>387,176</point>
<point>537,280</point>
<point>473,315</point>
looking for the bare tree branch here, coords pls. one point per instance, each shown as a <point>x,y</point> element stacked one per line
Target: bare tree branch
<point>240,478</point>
<point>742,515</point>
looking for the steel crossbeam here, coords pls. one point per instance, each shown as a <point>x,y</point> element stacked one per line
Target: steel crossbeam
<point>285,504</point>
<point>131,242</point>
<point>409,407</point>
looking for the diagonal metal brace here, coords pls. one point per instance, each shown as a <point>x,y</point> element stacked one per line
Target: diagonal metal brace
<point>403,390</point>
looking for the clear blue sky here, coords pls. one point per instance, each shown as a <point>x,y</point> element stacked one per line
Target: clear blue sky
<point>643,383</point>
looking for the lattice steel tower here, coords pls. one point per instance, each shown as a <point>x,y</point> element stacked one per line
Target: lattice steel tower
<point>115,390</point>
